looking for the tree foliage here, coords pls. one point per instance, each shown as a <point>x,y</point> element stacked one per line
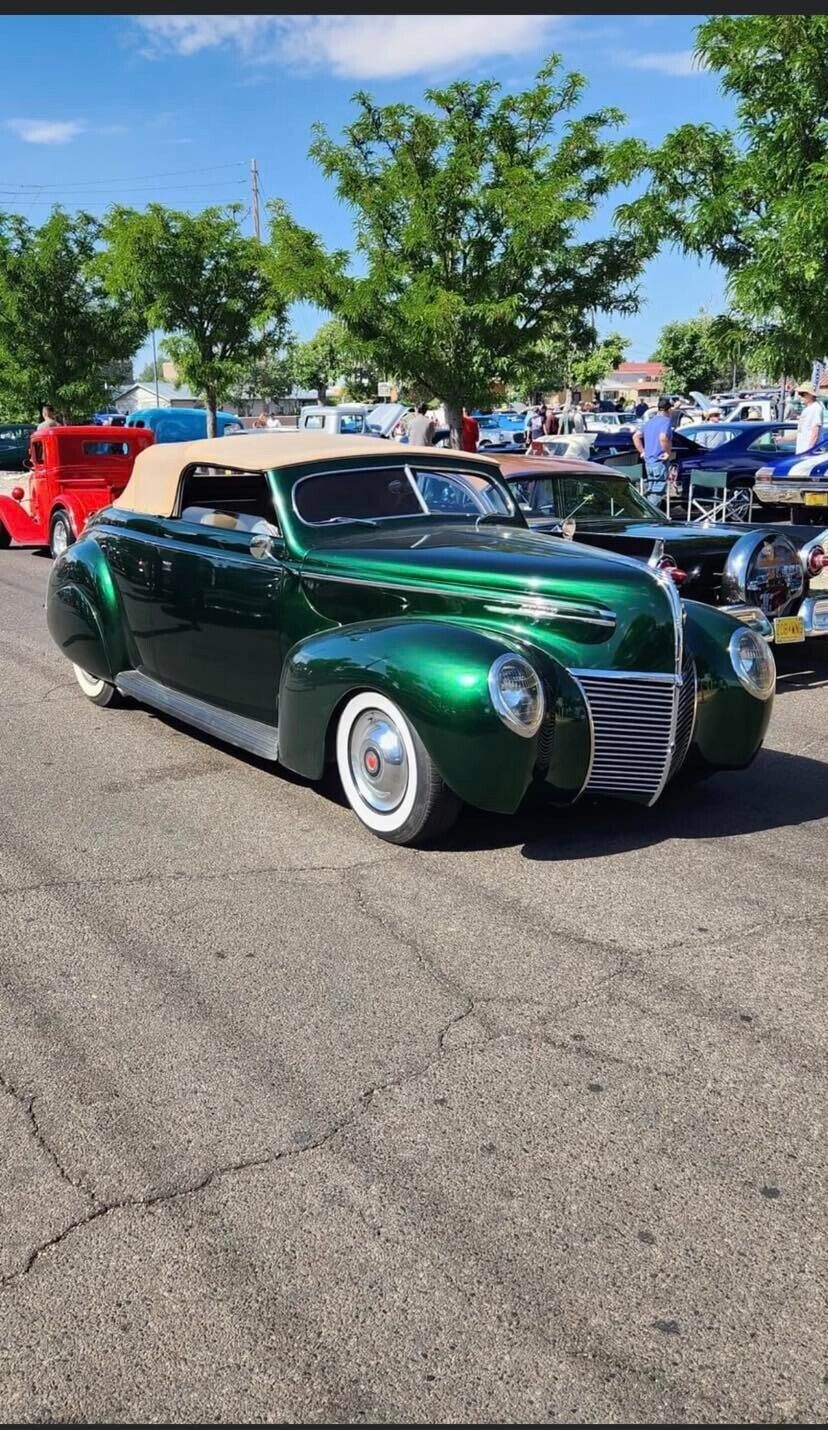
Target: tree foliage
<point>203,282</point>
<point>469,223</point>
<point>272,373</point>
<point>333,354</point>
<point>61,335</point>
<point>755,200</point>
<point>588,368</point>
<point>692,360</point>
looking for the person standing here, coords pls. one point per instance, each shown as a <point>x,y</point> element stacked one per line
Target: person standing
<point>809,426</point>
<point>49,419</point>
<point>422,427</point>
<point>470,434</point>
<point>653,442</point>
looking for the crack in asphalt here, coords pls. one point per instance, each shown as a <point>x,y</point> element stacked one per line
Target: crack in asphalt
<point>36,699</point>
<point>26,1102</point>
<point>224,876</point>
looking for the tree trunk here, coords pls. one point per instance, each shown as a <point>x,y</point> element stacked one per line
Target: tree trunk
<point>212,426</point>
<point>454,421</point>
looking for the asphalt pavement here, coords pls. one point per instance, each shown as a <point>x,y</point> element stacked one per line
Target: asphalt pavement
<point>297,1126</point>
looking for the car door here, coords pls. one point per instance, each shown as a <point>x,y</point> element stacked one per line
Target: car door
<point>222,602</point>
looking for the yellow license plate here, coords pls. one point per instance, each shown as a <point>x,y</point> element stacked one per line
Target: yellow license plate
<point>787,629</point>
<point>816,498</point>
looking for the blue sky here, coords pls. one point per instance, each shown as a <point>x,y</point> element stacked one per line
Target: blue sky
<point>173,108</point>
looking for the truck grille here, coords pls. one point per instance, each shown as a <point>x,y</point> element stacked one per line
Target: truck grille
<point>635,742</point>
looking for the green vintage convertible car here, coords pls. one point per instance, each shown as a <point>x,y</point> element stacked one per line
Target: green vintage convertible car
<point>312,601</point>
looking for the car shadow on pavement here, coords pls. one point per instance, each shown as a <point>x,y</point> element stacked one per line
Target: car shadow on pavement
<point>802,667</point>
<point>777,792</point>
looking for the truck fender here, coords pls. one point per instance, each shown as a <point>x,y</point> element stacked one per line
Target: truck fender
<point>83,611</point>
<point>436,671</point>
<point>730,722</point>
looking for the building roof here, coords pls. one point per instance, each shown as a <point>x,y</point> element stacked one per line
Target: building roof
<point>165,389</point>
<point>153,485</point>
<point>634,369</point>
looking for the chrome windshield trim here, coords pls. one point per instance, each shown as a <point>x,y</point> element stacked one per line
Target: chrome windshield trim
<point>504,601</point>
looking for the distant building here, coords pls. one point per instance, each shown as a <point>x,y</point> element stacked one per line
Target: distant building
<point>633,381</point>
<point>143,394</point>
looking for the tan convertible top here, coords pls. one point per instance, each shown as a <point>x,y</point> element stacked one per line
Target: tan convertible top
<point>152,488</point>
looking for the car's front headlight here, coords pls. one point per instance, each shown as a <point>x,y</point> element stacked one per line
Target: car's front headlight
<point>753,663</point>
<point>517,694</point>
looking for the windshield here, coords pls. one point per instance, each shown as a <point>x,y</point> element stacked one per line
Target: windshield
<point>563,496</point>
<point>375,494</point>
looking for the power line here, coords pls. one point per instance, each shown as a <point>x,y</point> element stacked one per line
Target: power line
<point>135,178</point>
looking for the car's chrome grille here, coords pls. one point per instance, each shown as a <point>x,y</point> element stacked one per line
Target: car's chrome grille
<point>636,742</point>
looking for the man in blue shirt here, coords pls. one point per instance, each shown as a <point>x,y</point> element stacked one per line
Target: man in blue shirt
<point>653,444</point>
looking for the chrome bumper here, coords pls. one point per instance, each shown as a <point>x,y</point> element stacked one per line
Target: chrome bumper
<point>813,612</point>
<point>779,494</point>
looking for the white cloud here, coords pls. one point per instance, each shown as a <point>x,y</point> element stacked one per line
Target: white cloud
<point>354,46</point>
<point>46,131</point>
<point>675,62</point>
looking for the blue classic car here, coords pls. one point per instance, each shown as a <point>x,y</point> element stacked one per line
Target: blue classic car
<point>797,480</point>
<point>738,448</point>
<point>182,424</point>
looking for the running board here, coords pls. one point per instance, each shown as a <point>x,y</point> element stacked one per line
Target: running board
<point>250,735</point>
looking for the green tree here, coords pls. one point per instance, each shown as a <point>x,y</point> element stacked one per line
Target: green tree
<point>62,337</point>
<point>333,353</point>
<point>201,280</point>
<point>588,368</point>
<point>273,373</point>
<point>691,359</point>
<point>755,199</point>
<point>469,221</point>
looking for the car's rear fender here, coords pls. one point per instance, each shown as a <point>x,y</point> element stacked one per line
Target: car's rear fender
<point>436,671</point>
<point>730,722</point>
<point>83,611</point>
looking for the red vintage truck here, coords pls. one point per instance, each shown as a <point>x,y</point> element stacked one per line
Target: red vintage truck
<point>74,472</point>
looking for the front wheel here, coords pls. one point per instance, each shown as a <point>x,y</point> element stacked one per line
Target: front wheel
<point>100,692</point>
<point>389,778</point>
<point>61,535</point>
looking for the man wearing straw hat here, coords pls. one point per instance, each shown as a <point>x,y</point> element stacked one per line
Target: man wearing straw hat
<point>809,426</point>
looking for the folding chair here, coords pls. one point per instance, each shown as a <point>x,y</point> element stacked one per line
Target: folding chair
<point>711,503</point>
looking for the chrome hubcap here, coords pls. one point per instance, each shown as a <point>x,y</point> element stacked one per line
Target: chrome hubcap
<point>378,761</point>
<point>60,540</point>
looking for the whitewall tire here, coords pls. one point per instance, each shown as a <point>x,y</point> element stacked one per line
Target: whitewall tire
<point>100,692</point>
<point>388,776</point>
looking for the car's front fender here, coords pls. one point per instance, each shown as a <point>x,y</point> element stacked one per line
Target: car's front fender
<point>436,671</point>
<point>730,722</point>
<point>83,611</point>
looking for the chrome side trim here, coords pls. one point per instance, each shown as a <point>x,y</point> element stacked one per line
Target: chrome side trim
<point>511,604</point>
<point>251,735</point>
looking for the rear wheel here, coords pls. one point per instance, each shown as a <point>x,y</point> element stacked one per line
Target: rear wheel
<point>100,692</point>
<point>61,535</point>
<point>389,778</point>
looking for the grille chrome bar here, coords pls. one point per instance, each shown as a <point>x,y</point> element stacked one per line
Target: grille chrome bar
<point>641,730</point>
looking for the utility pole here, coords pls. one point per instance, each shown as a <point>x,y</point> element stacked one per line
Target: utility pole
<point>254,197</point>
<point>155,369</point>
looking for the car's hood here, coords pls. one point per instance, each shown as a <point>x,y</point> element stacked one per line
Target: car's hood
<point>502,574</point>
<point>689,537</point>
<point>382,419</point>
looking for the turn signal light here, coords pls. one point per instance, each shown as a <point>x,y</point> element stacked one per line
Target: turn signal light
<point>816,561</point>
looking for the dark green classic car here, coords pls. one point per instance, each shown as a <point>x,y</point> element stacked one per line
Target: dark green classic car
<point>342,599</point>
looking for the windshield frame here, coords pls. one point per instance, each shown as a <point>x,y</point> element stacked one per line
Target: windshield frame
<point>512,516</point>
